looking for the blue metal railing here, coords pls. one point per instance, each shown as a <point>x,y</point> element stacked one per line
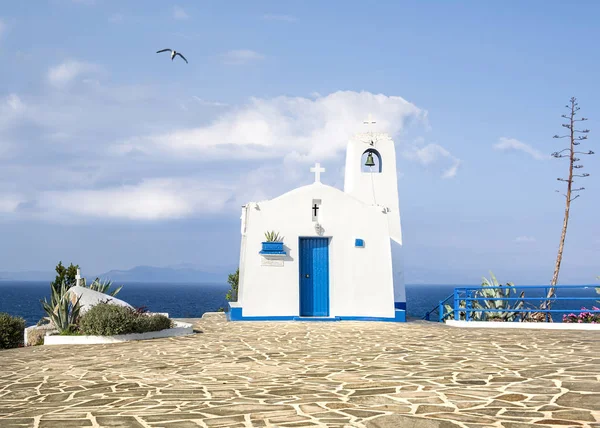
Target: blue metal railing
<point>439,308</point>
<point>468,303</point>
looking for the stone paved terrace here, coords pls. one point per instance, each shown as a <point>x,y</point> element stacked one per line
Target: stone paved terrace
<point>346,374</point>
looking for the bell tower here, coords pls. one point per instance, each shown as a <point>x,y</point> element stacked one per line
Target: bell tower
<point>371,174</point>
<point>371,177</point>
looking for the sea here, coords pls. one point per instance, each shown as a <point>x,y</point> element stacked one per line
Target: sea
<point>22,298</point>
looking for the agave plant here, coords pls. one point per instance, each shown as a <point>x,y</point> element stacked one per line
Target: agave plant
<point>273,236</point>
<point>61,310</point>
<point>492,294</point>
<point>448,311</point>
<point>103,287</point>
<point>489,292</point>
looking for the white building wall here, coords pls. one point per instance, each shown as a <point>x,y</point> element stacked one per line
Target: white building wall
<point>242,263</point>
<point>398,268</point>
<point>374,188</point>
<point>360,279</point>
<point>381,189</point>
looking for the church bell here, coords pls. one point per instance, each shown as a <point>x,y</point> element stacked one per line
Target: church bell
<point>370,161</point>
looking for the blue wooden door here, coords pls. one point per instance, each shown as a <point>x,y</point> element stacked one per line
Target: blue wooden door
<point>314,277</point>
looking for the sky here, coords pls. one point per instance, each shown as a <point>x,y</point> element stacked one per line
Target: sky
<point>113,156</point>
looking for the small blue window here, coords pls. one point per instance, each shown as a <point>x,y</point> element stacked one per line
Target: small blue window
<point>359,243</point>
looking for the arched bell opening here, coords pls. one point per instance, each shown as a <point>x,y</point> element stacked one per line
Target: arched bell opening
<point>370,161</point>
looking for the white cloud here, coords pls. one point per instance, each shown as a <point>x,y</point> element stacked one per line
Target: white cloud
<point>434,154</point>
<point>276,17</point>
<point>451,172</point>
<point>241,56</point>
<point>13,103</point>
<point>314,129</point>
<point>9,202</point>
<point>525,239</point>
<point>62,74</point>
<point>512,144</point>
<point>209,103</point>
<point>100,151</point>
<point>430,153</point>
<point>152,199</point>
<point>179,13</point>
<point>11,109</point>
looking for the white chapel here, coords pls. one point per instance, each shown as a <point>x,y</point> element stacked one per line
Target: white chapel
<point>338,255</point>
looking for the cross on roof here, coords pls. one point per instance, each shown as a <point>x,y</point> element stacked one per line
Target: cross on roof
<point>369,121</point>
<point>317,170</point>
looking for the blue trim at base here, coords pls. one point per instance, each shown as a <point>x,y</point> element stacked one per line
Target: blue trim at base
<point>235,314</point>
<point>325,319</point>
<point>399,316</point>
<point>400,305</point>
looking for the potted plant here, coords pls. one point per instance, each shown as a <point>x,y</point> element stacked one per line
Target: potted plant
<point>273,243</point>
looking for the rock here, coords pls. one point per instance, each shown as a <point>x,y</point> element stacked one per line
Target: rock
<point>395,421</point>
<point>512,397</point>
<point>34,335</point>
<point>557,422</point>
<point>574,415</point>
<point>90,298</point>
<point>433,409</point>
<point>583,386</point>
<point>580,401</point>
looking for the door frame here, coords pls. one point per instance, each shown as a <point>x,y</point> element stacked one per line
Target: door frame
<point>328,240</point>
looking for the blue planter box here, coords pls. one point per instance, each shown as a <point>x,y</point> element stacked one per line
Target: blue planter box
<point>272,248</point>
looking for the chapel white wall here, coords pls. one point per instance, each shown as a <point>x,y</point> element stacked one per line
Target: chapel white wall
<point>379,188</point>
<point>398,272</point>
<point>375,188</point>
<point>360,279</point>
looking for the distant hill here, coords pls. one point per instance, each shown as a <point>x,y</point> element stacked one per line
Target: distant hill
<point>166,274</point>
<point>179,273</point>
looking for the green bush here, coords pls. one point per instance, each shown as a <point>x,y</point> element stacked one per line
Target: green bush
<point>145,323</point>
<point>12,331</point>
<point>108,320</point>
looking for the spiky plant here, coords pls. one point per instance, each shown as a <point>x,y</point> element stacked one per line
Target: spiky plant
<point>273,236</point>
<point>103,286</point>
<point>490,293</point>
<point>493,292</point>
<point>61,311</point>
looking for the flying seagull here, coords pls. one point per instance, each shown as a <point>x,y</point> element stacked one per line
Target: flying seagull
<point>173,54</point>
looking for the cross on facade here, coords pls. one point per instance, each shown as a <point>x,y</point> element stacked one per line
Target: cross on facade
<point>317,170</point>
<point>315,208</point>
<point>369,121</point>
<point>78,277</point>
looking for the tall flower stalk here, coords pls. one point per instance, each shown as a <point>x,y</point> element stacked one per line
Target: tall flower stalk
<point>576,137</point>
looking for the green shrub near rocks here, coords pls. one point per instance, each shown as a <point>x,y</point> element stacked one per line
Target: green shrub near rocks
<point>108,320</point>
<point>12,331</point>
<point>144,323</point>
